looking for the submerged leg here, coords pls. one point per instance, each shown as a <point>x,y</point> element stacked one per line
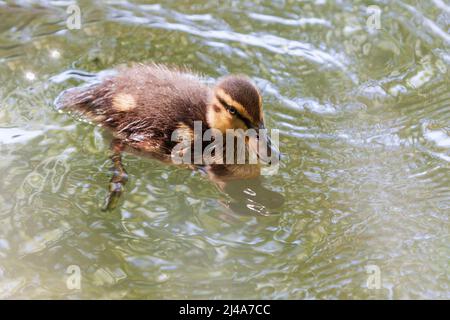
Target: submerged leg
<point>119,178</point>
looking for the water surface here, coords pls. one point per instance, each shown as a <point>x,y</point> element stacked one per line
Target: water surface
<point>364,120</point>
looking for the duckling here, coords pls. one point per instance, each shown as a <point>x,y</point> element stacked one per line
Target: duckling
<point>143,105</point>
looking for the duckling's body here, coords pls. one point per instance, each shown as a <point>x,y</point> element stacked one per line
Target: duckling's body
<point>143,105</point>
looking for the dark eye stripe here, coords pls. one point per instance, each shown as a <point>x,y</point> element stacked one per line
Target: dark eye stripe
<point>227,106</point>
<point>247,122</point>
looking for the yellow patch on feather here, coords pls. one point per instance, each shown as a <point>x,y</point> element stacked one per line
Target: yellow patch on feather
<point>185,131</point>
<point>124,102</point>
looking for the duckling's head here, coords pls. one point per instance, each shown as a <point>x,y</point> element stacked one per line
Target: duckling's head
<point>237,104</point>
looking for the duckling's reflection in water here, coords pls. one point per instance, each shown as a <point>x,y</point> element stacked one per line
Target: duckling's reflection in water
<point>250,197</point>
<point>247,193</point>
<point>241,183</point>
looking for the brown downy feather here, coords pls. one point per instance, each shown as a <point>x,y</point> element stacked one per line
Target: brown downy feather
<point>142,105</point>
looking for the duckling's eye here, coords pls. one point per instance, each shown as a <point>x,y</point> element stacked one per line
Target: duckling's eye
<point>229,108</point>
<point>232,110</point>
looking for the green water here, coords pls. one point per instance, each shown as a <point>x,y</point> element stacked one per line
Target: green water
<point>364,120</point>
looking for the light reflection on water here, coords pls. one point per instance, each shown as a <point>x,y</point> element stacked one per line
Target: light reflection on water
<point>364,128</point>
